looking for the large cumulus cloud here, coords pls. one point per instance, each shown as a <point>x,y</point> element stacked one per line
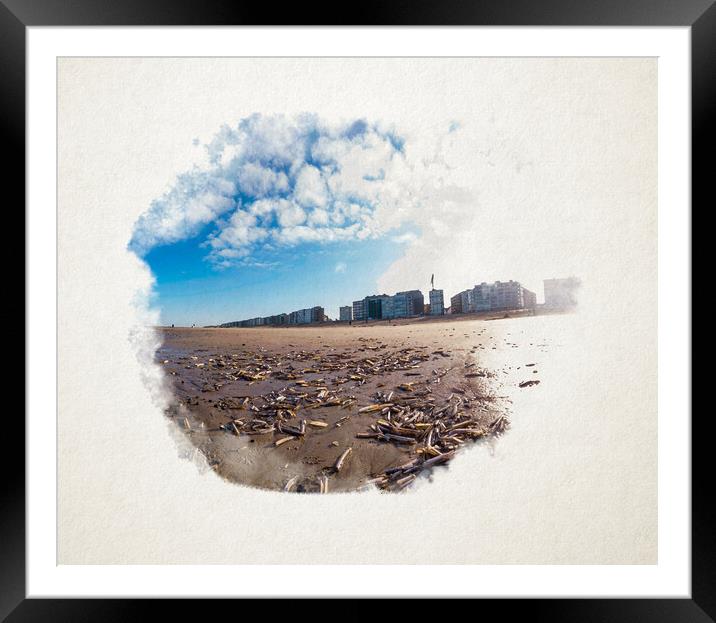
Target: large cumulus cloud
<point>275,181</point>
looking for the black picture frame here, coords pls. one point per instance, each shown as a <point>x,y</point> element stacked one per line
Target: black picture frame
<point>700,15</point>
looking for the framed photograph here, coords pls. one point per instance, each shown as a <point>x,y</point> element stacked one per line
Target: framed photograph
<point>394,309</point>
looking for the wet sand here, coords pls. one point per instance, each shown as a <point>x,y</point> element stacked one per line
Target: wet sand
<point>277,408</point>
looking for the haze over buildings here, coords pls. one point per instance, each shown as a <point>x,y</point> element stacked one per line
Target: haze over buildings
<point>561,293</point>
<point>493,297</point>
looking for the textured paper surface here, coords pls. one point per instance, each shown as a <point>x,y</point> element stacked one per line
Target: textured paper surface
<point>573,481</point>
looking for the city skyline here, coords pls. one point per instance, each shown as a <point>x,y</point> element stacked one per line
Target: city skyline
<point>558,294</point>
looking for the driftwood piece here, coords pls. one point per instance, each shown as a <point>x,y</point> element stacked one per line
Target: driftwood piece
<point>338,465</point>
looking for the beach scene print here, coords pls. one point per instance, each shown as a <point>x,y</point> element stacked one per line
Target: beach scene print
<point>328,322</point>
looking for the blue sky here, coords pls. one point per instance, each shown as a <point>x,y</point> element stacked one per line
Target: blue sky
<point>283,213</point>
<point>190,291</point>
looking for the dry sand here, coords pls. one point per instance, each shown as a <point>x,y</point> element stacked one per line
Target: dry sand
<point>211,374</point>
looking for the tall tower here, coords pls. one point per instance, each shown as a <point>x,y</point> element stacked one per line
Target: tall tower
<point>437,304</point>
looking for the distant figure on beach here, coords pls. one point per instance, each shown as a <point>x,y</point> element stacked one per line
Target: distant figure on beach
<point>350,322</point>
<point>172,326</point>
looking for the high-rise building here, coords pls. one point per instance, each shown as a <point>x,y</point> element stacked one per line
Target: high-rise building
<point>501,295</point>
<point>414,303</point>
<point>456,304</point>
<point>529,299</point>
<point>373,306</point>
<point>359,310</point>
<point>382,306</point>
<point>437,305</point>
<point>318,314</point>
<point>345,313</point>
<point>482,297</point>
<point>461,303</point>
<point>404,304</point>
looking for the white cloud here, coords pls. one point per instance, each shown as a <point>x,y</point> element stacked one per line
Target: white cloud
<point>284,181</point>
<point>196,200</point>
<point>310,190</point>
<point>289,214</point>
<point>236,237</point>
<point>273,181</point>
<point>318,217</point>
<point>258,181</point>
<point>406,238</point>
<point>340,267</point>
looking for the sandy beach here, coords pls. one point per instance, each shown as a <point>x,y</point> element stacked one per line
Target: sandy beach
<point>334,408</point>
